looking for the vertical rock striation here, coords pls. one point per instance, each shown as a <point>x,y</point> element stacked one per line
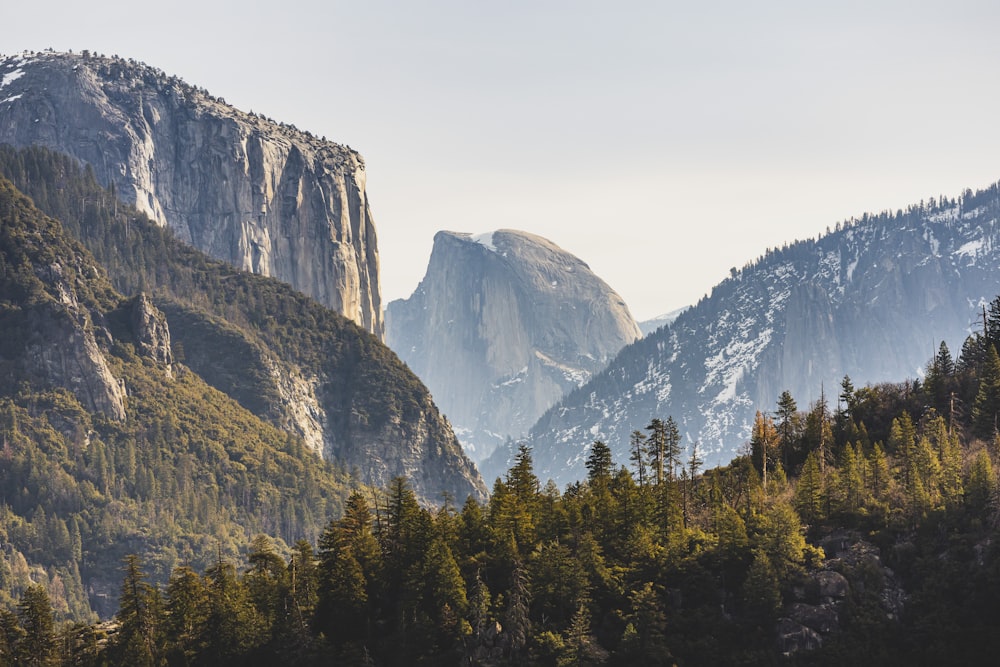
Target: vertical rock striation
<point>264,197</point>
<point>501,326</point>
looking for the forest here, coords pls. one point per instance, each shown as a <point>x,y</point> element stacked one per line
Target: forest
<point>874,520</point>
<point>860,528</point>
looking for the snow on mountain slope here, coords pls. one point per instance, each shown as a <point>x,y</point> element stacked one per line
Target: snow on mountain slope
<point>871,300</point>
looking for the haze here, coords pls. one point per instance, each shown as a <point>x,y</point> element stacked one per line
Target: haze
<point>661,142</point>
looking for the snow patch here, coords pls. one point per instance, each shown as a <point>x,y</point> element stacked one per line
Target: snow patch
<point>970,249</point>
<point>11,77</point>
<point>850,269</point>
<point>485,240</point>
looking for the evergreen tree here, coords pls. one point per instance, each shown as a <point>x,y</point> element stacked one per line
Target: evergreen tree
<point>880,473</point>
<point>37,645</point>
<point>981,487</point>
<point>349,563</point>
<point>599,463</point>
<point>656,444</point>
<point>761,593</point>
<point>788,425</point>
<point>232,628</point>
<point>986,409</point>
<point>516,617</point>
<point>762,441</point>
<point>809,495</point>
<point>638,455</point>
<point>186,615</point>
<point>671,447</point>
<point>139,619</point>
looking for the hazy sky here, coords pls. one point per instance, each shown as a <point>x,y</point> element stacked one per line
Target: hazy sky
<point>661,142</point>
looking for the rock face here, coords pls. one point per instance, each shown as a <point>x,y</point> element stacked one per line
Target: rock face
<point>262,196</point>
<point>281,355</point>
<point>871,300</point>
<point>50,338</point>
<point>503,325</point>
<point>62,352</point>
<point>149,327</point>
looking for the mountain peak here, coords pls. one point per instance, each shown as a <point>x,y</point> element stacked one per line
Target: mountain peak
<point>502,324</point>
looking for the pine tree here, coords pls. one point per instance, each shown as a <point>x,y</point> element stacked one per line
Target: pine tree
<point>139,618</point>
<point>599,463</point>
<point>671,447</point>
<point>516,620</point>
<point>788,427</point>
<point>232,627</point>
<point>986,409</point>
<point>349,564</point>
<point>186,615</point>
<point>444,598</point>
<point>809,496</point>
<point>981,486</point>
<point>37,646</point>
<point>880,475</point>
<point>761,594</point>
<point>656,444</point>
<point>637,443</point>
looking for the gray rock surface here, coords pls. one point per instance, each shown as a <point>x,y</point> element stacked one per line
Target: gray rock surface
<point>260,195</point>
<point>152,335</point>
<point>61,347</point>
<point>503,325</point>
<point>63,352</point>
<point>793,637</point>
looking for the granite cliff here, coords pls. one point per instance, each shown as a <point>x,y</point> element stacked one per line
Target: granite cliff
<point>501,326</point>
<point>262,196</point>
<point>290,361</point>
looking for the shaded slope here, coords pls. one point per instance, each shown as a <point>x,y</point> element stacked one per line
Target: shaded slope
<point>290,360</point>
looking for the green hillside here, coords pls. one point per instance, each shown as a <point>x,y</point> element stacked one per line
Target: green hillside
<point>188,474</point>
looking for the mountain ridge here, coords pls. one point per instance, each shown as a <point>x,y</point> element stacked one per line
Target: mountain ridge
<point>870,300</point>
<point>262,196</point>
<point>289,360</point>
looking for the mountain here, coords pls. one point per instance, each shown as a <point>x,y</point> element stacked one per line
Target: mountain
<point>109,446</point>
<point>649,326</point>
<point>293,363</point>
<point>262,196</point>
<point>871,300</point>
<point>501,326</point>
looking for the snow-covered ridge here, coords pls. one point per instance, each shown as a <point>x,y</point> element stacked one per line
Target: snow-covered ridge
<point>867,300</point>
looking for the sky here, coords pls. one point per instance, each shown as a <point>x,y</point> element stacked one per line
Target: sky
<point>661,142</point>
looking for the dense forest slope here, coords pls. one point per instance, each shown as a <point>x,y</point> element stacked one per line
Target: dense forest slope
<point>110,447</point>
<point>298,365</point>
<point>878,546</point>
<point>871,300</point>
<point>502,326</point>
<point>262,196</point>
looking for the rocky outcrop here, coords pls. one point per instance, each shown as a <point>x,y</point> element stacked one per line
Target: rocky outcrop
<point>150,330</point>
<point>264,197</point>
<point>62,352</point>
<point>49,293</point>
<point>503,325</point>
<point>872,300</point>
<point>284,357</point>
